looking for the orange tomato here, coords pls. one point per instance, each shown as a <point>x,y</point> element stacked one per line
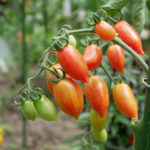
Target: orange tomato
<point>96,92</point>
<point>69,97</point>
<point>105,31</point>
<point>92,55</point>
<point>125,100</point>
<point>73,63</point>
<point>116,57</point>
<point>50,84</point>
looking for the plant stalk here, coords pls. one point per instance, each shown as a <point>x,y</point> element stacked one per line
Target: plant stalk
<point>141,130</point>
<point>24,71</point>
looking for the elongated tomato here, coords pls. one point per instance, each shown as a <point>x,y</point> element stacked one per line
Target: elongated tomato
<point>116,57</point>
<point>69,97</point>
<point>96,92</point>
<point>129,36</point>
<point>50,84</point>
<point>125,100</point>
<point>92,55</point>
<point>97,122</point>
<point>46,108</point>
<point>105,31</point>
<point>73,63</point>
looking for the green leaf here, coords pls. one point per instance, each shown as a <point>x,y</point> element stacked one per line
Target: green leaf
<point>122,119</point>
<point>138,20</point>
<point>114,130</point>
<point>114,6</point>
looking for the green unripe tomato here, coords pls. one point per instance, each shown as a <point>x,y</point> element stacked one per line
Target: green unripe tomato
<point>29,110</point>
<point>99,136</point>
<point>98,122</point>
<point>46,109</point>
<point>72,40</point>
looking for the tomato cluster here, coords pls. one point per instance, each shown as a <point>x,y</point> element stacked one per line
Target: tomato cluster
<point>42,106</point>
<point>69,95</point>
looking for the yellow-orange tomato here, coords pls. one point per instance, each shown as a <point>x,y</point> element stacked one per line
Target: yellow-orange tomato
<point>73,63</point>
<point>69,97</point>
<point>105,31</point>
<point>116,57</point>
<point>1,131</point>
<point>92,55</point>
<point>1,140</point>
<point>125,100</point>
<point>50,84</point>
<point>96,92</point>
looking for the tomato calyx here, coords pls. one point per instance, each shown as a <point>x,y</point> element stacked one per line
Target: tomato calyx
<point>94,17</point>
<point>35,94</point>
<point>58,76</point>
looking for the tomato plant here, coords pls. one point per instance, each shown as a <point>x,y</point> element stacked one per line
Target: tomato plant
<point>107,30</point>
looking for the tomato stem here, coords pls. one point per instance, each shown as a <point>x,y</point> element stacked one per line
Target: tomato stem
<point>86,30</point>
<point>107,73</point>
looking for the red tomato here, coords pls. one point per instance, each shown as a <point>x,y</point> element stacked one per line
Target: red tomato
<point>105,31</point>
<point>125,100</point>
<point>50,84</point>
<point>130,139</point>
<point>73,63</point>
<point>96,92</point>
<point>20,37</point>
<point>129,36</point>
<point>116,57</point>
<point>69,97</point>
<point>92,54</point>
